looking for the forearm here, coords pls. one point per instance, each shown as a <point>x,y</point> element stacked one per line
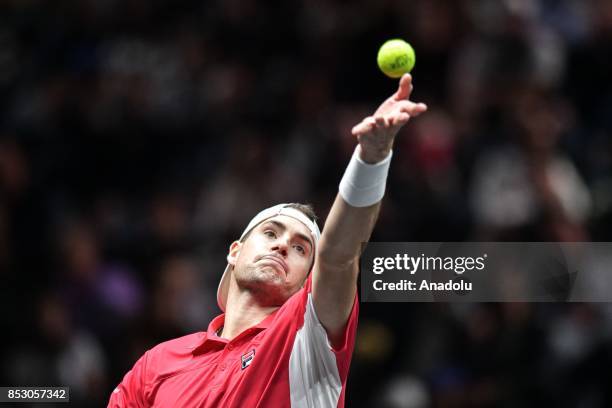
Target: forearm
<point>355,210</point>
<point>345,230</point>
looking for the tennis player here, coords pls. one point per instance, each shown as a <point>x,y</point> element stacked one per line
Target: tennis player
<point>289,297</point>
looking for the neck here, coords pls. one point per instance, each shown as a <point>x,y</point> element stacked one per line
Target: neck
<point>242,311</point>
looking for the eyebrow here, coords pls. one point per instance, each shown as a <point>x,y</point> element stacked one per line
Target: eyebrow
<point>283,227</point>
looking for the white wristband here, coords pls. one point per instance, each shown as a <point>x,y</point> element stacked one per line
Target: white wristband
<point>364,184</point>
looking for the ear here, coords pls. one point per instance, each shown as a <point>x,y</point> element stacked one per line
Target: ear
<point>234,251</point>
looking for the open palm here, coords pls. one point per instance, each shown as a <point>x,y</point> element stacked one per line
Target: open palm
<point>376,133</point>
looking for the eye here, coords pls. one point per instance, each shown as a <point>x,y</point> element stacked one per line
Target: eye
<point>300,249</point>
<point>270,233</point>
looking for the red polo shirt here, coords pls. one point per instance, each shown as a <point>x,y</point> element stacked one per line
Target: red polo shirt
<point>284,361</point>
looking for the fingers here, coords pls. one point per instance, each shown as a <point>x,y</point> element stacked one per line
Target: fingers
<point>373,123</point>
<point>394,112</point>
<point>413,109</point>
<point>418,108</point>
<point>400,119</point>
<point>405,88</point>
<point>365,126</point>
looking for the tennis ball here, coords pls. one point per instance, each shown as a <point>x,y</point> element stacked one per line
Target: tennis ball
<point>396,58</point>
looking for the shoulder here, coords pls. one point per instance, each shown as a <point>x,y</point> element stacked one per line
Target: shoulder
<point>173,353</point>
<point>179,344</point>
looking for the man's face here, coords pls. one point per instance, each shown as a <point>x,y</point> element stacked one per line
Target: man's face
<point>274,260</point>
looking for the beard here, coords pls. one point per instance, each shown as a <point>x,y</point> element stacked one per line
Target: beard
<point>264,282</point>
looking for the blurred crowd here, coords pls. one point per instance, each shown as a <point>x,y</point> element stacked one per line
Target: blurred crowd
<point>138,137</point>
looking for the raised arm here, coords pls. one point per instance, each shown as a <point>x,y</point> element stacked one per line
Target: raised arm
<point>355,210</point>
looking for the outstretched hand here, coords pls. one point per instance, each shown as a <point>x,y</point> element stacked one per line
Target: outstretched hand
<point>376,133</point>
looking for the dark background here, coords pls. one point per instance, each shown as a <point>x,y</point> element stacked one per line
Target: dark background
<point>138,137</point>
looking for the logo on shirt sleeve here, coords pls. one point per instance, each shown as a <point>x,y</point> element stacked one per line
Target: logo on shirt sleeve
<point>247,358</point>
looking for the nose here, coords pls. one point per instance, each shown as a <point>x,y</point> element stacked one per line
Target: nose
<point>281,246</point>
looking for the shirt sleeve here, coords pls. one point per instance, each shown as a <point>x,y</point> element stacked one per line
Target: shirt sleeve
<point>344,348</point>
<point>131,391</point>
<point>345,345</point>
<point>318,371</point>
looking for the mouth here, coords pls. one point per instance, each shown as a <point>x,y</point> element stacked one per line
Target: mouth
<point>277,261</point>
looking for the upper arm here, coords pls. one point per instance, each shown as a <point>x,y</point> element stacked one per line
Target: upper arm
<point>333,298</point>
<point>334,281</point>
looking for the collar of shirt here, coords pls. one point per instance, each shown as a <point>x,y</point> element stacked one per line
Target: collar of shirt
<point>209,340</point>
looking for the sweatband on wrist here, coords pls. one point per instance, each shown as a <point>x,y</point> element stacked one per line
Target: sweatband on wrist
<point>364,184</point>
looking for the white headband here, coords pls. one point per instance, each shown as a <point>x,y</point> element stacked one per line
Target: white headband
<point>282,209</point>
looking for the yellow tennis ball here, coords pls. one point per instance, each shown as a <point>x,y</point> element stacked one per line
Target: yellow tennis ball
<point>396,58</point>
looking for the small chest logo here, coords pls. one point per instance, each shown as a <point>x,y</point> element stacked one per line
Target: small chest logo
<point>247,358</point>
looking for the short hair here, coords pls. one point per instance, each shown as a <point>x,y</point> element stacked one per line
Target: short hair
<point>306,209</point>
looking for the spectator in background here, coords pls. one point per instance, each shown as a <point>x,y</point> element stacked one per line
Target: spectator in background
<point>63,354</point>
<point>92,288</point>
<point>531,182</point>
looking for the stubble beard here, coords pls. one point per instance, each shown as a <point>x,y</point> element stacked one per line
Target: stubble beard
<point>265,283</point>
